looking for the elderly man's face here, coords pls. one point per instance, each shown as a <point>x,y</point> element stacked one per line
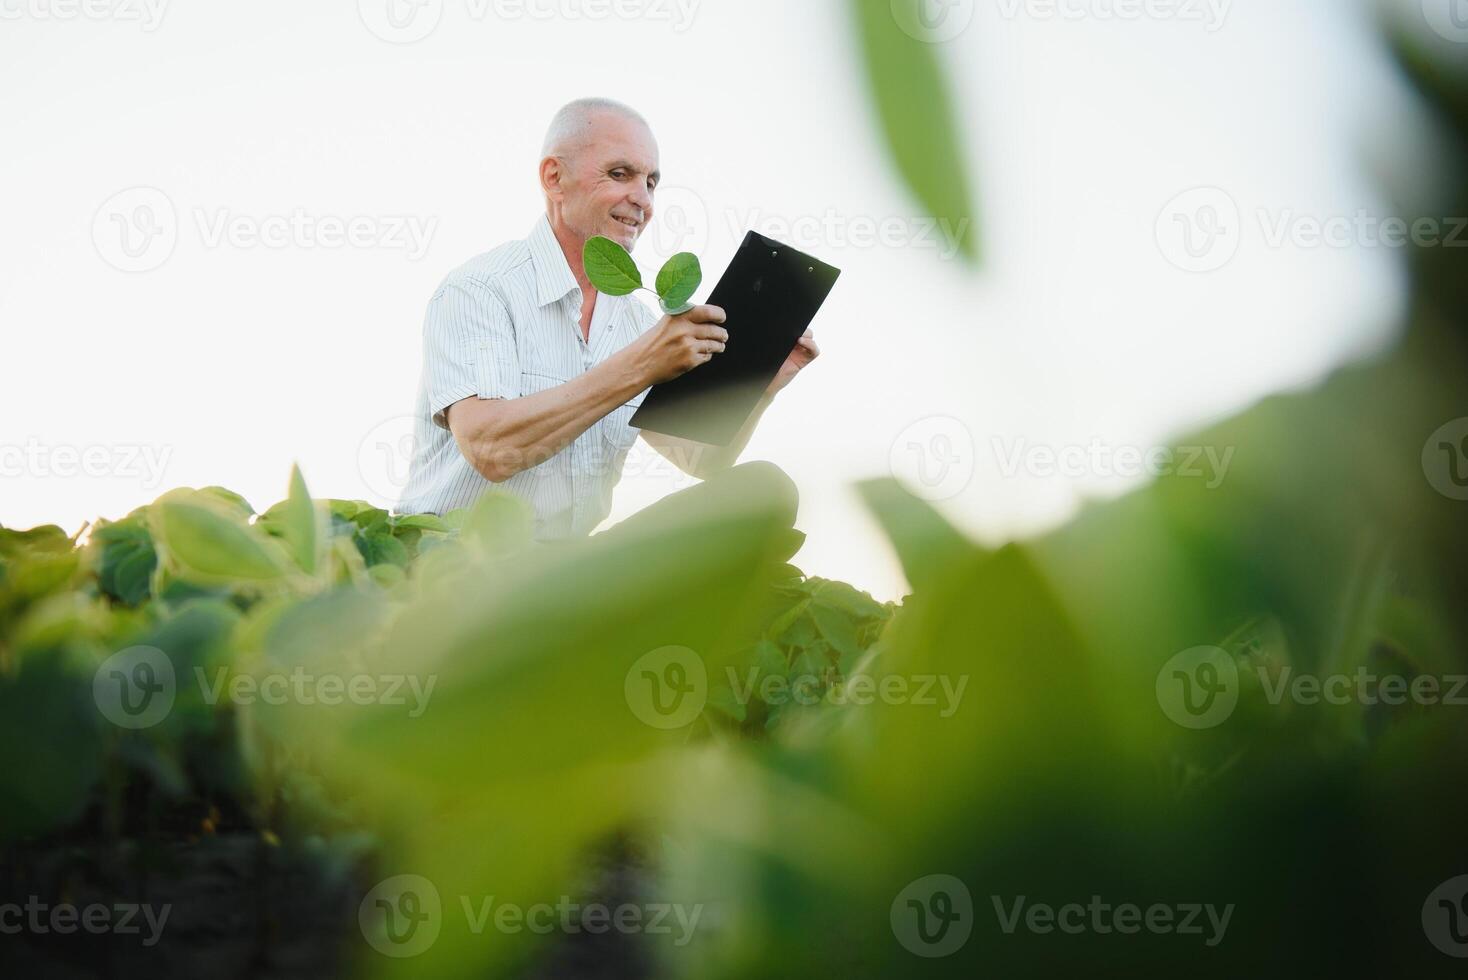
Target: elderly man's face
<point>609,183</point>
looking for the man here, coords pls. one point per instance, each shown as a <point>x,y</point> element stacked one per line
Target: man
<point>530,375</point>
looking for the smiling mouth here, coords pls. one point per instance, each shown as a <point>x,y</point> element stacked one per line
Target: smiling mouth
<point>629,222</point>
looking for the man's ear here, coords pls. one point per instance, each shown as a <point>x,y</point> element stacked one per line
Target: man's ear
<point>552,177</point>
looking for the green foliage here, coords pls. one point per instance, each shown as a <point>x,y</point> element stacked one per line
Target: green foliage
<point>916,113</point>
<point>612,271</point>
<point>609,267</point>
<point>677,280</point>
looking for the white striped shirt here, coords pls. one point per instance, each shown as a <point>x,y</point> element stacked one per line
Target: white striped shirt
<point>504,325</point>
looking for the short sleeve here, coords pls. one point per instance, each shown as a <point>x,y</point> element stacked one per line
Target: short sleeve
<point>468,347</point>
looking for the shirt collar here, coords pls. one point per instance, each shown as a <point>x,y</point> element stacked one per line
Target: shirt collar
<point>553,276</point>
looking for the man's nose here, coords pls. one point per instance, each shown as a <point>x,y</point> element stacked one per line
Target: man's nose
<point>641,197</point>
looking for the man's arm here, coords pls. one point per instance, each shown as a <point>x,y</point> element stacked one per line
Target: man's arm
<point>502,437</point>
<point>701,460</point>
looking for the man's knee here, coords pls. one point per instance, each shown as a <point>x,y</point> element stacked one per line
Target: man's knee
<point>766,483</point>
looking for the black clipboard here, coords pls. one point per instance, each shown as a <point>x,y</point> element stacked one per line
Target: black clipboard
<point>769,294</point>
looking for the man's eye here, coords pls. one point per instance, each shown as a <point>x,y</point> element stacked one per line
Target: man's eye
<point>619,174</point>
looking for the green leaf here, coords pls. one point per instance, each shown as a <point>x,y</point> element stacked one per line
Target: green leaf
<point>836,626</point>
<point>917,117</point>
<point>786,619</point>
<point>677,280</point>
<point>609,267</point>
<point>500,522</point>
<point>380,547</point>
<point>424,522</point>
<point>230,499</point>
<point>50,749</point>
<point>207,545</point>
<point>301,526</point>
<point>127,559</point>
<point>927,545</point>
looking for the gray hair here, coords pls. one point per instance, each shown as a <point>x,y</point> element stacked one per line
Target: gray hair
<point>569,128</point>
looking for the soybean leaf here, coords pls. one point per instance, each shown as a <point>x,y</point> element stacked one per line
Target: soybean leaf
<point>836,626</point>
<point>927,545</point>
<point>425,522</point>
<point>301,526</point>
<point>231,499</point>
<point>127,559</point>
<point>50,748</point>
<point>677,280</point>
<point>207,546</point>
<point>917,117</point>
<point>609,267</point>
<point>379,547</point>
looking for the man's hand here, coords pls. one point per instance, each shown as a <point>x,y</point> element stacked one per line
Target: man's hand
<point>678,344</point>
<point>805,351</point>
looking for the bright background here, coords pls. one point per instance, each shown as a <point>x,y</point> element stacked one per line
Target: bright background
<point>233,360</point>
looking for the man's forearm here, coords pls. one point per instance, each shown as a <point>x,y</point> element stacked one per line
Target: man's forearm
<point>714,459</point>
<point>524,432</point>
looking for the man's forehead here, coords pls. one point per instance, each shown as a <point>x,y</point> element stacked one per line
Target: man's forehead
<point>617,139</point>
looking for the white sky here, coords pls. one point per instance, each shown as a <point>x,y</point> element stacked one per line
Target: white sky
<point>233,360</point>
